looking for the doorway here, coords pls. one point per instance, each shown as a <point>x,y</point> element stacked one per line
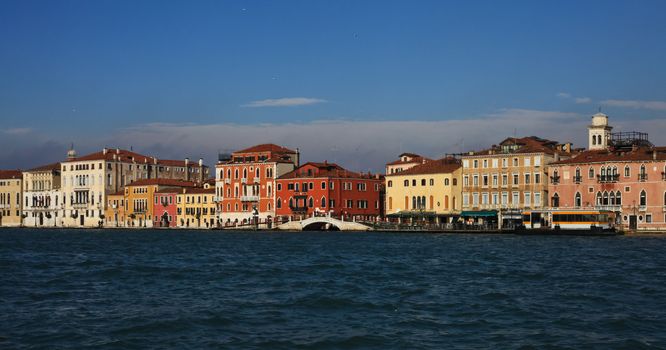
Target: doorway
<point>633,222</point>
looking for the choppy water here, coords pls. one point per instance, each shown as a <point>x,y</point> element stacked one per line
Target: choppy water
<point>187,289</point>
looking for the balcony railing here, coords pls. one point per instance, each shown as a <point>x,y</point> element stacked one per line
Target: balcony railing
<point>577,179</point>
<point>642,177</point>
<point>608,178</point>
<point>227,181</point>
<point>79,205</point>
<point>298,209</point>
<point>608,207</point>
<point>249,198</point>
<point>244,180</point>
<point>4,206</point>
<point>555,180</point>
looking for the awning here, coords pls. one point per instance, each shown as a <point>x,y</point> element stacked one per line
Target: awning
<point>479,213</point>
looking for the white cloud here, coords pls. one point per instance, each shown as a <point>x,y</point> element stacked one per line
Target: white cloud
<point>568,96</point>
<point>17,131</point>
<point>652,105</point>
<point>284,102</point>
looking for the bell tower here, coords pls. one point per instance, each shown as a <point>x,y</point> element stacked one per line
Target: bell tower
<point>599,132</point>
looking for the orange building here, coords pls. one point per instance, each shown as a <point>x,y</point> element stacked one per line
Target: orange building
<point>245,181</point>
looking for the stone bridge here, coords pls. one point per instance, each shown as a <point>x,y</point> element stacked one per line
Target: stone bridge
<point>319,223</point>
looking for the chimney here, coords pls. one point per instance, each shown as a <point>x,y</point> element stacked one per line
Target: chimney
<point>155,161</point>
<point>117,150</point>
<point>187,161</point>
<point>200,162</point>
<point>104,150</point>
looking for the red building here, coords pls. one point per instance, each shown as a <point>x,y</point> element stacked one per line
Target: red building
<point>245,181</point>
<point>165,207</point>
<point>328,189</point>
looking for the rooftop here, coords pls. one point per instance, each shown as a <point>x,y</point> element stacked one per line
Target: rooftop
<point>529,144</point>
<point>10,174</point>
<point>325,169</point>
<point>48,167</point>
<point>632,155</point>
<point>439,166</point>
<point>162,182</point>
<point>266,147</point>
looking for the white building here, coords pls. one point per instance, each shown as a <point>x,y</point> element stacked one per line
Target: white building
<point>43,203</point>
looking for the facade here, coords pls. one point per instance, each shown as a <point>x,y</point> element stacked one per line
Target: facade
<point>87,180</point>
<point>627,177</point>
<point>115,212</point>
<point>429,191</point>
<point>327,189</point>
<point>405,161</point>
<point>141,204</point>
<point>164,213</point>
<point>196,207</point>
<point>11,198</point>
<point>509,178</point>
<point>42,206</point>
<point>245,181</point>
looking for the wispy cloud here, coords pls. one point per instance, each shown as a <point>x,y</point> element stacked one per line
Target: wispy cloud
<point>284,102</point>
<point>579,100</point>
<point>17,131</point>
<point>636,104</point>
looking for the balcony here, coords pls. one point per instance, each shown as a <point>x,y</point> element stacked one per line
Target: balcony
<point>4,206</point>
<point>608,178</point>
<point>577,179</point>
<point>227,181</point>
<point>608,207</point>
<point>642,177</point>
<point>79,205</point>
<point>249,198</point>
<point>244,180</point>
<point>256,180</point>
<point>298,209</point>
<point>555,180</point>
<point>642,208</point>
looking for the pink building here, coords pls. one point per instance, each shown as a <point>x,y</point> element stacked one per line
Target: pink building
<point>621,172</point>
<point>165,207</point>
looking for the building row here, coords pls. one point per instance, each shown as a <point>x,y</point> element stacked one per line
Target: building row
<point>266,184</point>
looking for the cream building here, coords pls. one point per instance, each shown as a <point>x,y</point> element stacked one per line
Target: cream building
<point>87,180</point>
<point>429,191</point>
<point>11,203</point>
<point>43,204</point>
<point>196,207</point>
<point>510,177</point>
<point>405,161</point>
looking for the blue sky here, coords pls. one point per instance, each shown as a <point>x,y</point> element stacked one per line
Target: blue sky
<point>115,73</point>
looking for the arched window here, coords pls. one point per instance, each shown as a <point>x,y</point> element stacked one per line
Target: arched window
<point>222,174</point>
<point>453,201</point>
<point>642,168</point>
<point>390,184</point>
<point>605,198</point>
<point>615,170</point>
<point>611,198</point>
<point>594,140</point>
<point>555,201</point>
<point>618,198</point>
<point>446,182</point>
<point>390,203</point>
<point>603,171</point>
<point>627,171</point>
<point>236,174</point>
<point>278,203</point>
<point>423,202</point>
<point>432,201</point>
<point>643,199</point>
<point>590,173</point>
<point>414,204</point>
<point>323,202</point>
<point>414,182</point>
<point>577,200</point>
<point>455,182</point>
<point>599,198</point>
<point>432,182</point>
<point>598,139</point>
<point>256,173</point>
<point>291,202</point>
<point>446,202</point>
<point>406,183</point>
<point>310,202</point>
<point>423,182</point>
<point>245,173</point>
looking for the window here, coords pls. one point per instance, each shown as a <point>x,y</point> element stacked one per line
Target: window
<point>432,182</point>
<point>475,198</point>
<point>446,182</point>
<point>555,201</point>
<point>323,185</point>
<point>515,161</point>
<point>465,163</point>
<point>494,180</point>
<point>331,203</point>
<point>476,163</point>
<point>389,184</point>
<point>537,178</point>
<point>527,178</point>
<point>505,180</point>
<point>643,199</point>
<point>465,180</point>
<point>648,218</point>
<point>505,198</point>
<point>310,202</point>
<point>590,173</point>
<point>475,180</point>
<point>505,162</point>
<point>537,161</point>
<point>485,163</point>
<point>423,182</point>
<point>527,199</point>
<point>279,187</point>
<point>414,182</point>
<point>495,163</point>
<point>485,180</point>
<point>527,161</point>
<point>577,200</point>
<point>515,179</point>
<point>484,198</point>
<point>323,202</point>
<point>515,198</point>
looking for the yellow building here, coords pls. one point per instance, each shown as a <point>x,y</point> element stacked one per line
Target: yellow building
<point>500,182</point>
<point>196,207</point>
<point>430,191</point>
<point>11,198</point>
<point>115,212</point>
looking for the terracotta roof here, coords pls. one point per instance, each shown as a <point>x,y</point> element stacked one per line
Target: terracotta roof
<point>131,157</point>
<point>170,190</point>
<point>603,156</point>
<point>11,174</point>
<point>198,190</point>
<point>325,170</point>
<point>162,182</point>
<point>439,166</point>
<point>530,144</point>
<point>52,166</point>
<point>413,155</point>
<point>266,147</point>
